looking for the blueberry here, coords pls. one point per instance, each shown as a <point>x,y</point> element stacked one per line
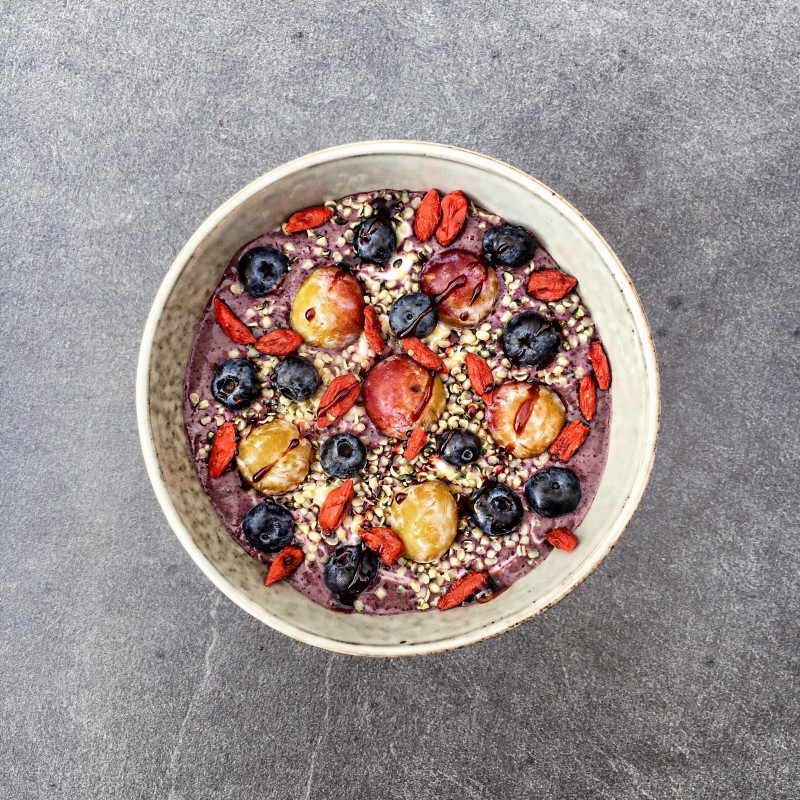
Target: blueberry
<point>296,378</point>
<point>530,339</point>
<point>268,527</point>
<point>508,246</point>
<point>375,240</point>
<point>235,383</point>
<point>496,509</point>
<point>459,447</point>
<point>413,315</point>
<point>350,570</point>
<point>343,455</point>
<point>262,269</point>
<point>553,492</point>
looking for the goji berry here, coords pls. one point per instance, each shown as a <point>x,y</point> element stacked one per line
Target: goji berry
<point>233,327</point>
<point>223,449</point>
<point>562,539</point>
<point>587,397</point>
<point>462,589</point>
<point>307,218</point>
<point>569,441</point>
<point>373,330</point>
<point>454,215</point>
<point>415,444</point>
<point>480,376</point>
<point>599,361</point>
<point>336,507</point>
<point>428,215</point>
<point>383,541</point>
<point>337,399</point>
<point>422,354</point>
<point>285,563</point>
<point>279,342</point>
<point>550,285</point>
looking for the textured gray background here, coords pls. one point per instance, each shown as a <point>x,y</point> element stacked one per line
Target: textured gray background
<point>673,672</point>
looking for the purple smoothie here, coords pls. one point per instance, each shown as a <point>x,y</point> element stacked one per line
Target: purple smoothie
<point>404,586</point>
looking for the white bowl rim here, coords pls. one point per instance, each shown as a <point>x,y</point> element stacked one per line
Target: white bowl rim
<point>414,148</point>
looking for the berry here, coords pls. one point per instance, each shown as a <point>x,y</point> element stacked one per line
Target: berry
<point>350,570</point>
<point>268,527</point>
<point>262,269</point>
<point>508,246</point>
<point>375,240</point>
<point>343,455</point>
<point>413,315</point>
<point>235,383</point>
<point>496,509</point>
<point>530,339</point>
<point>459,447</point>
<point>553,492</point>
<point>296,378</point>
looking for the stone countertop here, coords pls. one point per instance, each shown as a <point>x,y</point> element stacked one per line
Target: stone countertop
<point>672,672</point>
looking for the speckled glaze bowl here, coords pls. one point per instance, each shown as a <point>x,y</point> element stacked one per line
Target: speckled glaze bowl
<point>335,172</point>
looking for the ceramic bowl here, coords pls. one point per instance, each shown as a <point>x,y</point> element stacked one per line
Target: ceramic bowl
<point>338,171</point>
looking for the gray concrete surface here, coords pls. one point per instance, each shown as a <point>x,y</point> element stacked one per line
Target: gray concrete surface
<point>672,673</point>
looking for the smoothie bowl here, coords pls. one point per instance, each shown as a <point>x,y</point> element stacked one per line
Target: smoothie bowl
<point>379,380</point>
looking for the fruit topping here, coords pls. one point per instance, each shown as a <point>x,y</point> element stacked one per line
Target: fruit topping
<point>375,239</point>
<point>562,539</point>
<point>268,527</point>
<point>426,519</point>
<point>343,455</point>
<point>223,449</point>
<point>428,215</point>
<point>587,397</point>
<point>459,447</point>
<point>508,246</point>
<point>285,563</point>
<point>349,571</point>
<point>373,330</point>
<point>553,492</point>
<point>235,383</point>
<point>336,507</point>
<point>296,378</point>
<point>413,315</point>
<point>496,509</point>
<point>454,215</point>
<point>462,286</point>
<point>462,589</point>
<point>525,418</point>
<point>569,441</point>
<point>550,285</point>
<point>279,342</point>
<point>399,394</point>
<point>422,354</point>
<point>273,457</point>
<point>328,308</point>
<point>383,541</point>
<point>308,218</point>
<point>233,327</point>
<point>480,377</point>
<point>415,444</point>
<point>337,399</point>
<point>599,362</point>
<point>261,269</point>
<point>530,339</point>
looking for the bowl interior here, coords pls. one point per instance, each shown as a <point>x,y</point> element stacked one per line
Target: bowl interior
<point>263,205</point>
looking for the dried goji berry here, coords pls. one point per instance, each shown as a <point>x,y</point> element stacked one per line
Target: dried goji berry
<point>480,376</point>
<point>415,444</point>
<point>422,354</point>
<point>373,330</point>
<point>223,449</point>
<point>383,541</point>
<point>233,327</point>
<point>337,399</point>
<point>307,218</point>
<point>463,589</point>
<point>569,441</point>
<point>428,215</point>
<point>285,563</point>
<point>587,397</point>
<point>550,285</point>
<point>599,362</point>
<point>279,342</point>
<point>454,215</point>
<point>562,539</point>
<point>336,507</point>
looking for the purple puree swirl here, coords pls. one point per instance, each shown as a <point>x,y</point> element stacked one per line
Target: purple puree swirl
<point>404,586</point>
